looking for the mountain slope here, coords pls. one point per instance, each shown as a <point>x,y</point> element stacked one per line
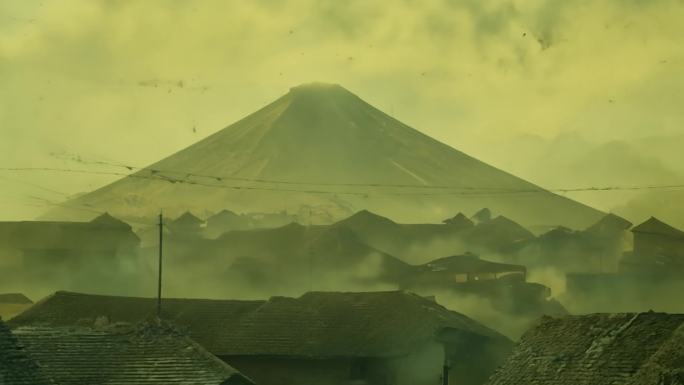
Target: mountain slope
<point>324,140</point>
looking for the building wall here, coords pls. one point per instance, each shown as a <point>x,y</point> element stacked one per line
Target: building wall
<point>283,371</point>
<point>652,245</point>
<point>422,367</point>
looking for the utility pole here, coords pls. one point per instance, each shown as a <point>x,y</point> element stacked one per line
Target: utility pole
<point>308,230</point>
<point>159,281</point>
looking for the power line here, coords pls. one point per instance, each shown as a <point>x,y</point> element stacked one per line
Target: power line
<point>272,181</point>
<point>413,186</point>
<point>158,175</point>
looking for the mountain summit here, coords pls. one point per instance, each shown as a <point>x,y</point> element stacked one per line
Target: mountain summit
<point>321,148</point>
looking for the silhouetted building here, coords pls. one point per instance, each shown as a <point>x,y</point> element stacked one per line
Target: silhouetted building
<point>12,304</point>
<point>43,244</point>
<point>610,225</point>
<point>459,221</point>
<point>186,225</point>
<point>500,234</point>
<point>596,249</point>
<point>598,349</point>
<point>503,285</point>
<point>483,215</point>
<point>318,338</point>
<point>15,299</point>
<point>224,221</point>
<point>462,269</point>
<point>658,247</point>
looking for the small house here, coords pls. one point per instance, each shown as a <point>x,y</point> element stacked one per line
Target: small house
<point>461,269</point>
<point>223,221</point>
<point>459,221</point>
<point>186,225</point>
<point>483,215</point>
<point>43,243</point>
<point>151,352</point>
<point>658,243</point>
<point>12,304</point>
<point>383,338</point>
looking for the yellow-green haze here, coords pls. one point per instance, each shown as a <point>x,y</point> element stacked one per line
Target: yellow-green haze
<point>549,90</point>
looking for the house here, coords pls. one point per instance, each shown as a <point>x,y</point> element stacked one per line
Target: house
<point>502,285</point>
<point>151,352</point>
<point>462,269</point>
<point>598,349</point>
<point>483,215</point>
<point>459,221</point>
<point>12,304</point>
<point>318,338</point>
<point>364,338</point>
<point>14,299</point>
<point>596,249</point>
<point>186,225</point>
<point>17,367</point>
<point>657,247</point>
<point>500,235</point>
<point>610,225</point>
<point>224,221</point>
<point>41,245</point>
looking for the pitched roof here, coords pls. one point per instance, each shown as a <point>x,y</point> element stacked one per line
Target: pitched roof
<point>469,263</point>
<point>187,219</point>
<point>366,219</point>
<point>15,298</point>
<point>17,367</point>
<point>59,235</point>
<point>503,227</point>
<point>482,215</point>
<point>205,319</point>
<point>151,353</point>
<point>459,220</point>
<point>107,220</point>
<point>666,366</point>
<point>317,324</point>
<point>223,215</point>
<point>597,349</point>
<point>657,227</point>
<point>335,324</point>
<point>610,222</point>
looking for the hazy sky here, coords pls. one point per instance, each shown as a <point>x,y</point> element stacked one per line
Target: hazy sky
<point>133,81</point>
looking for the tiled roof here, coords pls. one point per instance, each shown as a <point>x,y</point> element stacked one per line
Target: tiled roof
<point>151,353</point>
<point>317,324</point>
<point>666,367</point>
<point>597,349</point>
<point>329,324</point>
<point>16,366</point>
<point>205,319</point>
<point>15,298</point>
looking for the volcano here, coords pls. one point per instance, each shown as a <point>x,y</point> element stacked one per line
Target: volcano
<point>321,151</point>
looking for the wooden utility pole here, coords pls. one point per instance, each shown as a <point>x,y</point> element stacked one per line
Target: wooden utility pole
<point>159,281</point>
